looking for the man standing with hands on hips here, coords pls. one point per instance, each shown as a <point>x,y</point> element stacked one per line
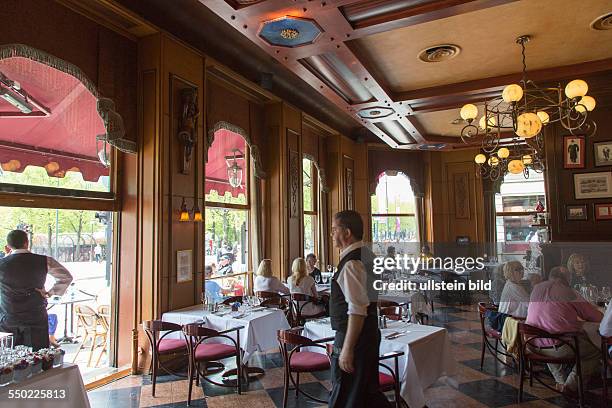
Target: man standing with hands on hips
<point>353,312</point>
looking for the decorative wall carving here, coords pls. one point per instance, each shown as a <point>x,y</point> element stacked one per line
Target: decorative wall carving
<point>350,202</point>
<point>461,183</point>
<point>294,184</point>
<point>187,131</point>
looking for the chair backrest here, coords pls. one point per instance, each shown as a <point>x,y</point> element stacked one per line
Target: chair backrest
<point>529,335</point>
<point>267,295</point>
<point>196,330</point>
<point>155,326</point>
<point>392,312</point>
<point>231,300</point>
<point>87,316</point>
<point>292,337</point>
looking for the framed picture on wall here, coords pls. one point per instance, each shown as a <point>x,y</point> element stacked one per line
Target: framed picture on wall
<point>573,152</point>
<point>576,212</point>
<point>603,211</point>
<point>603,153</point>
<point>184,270</point>
<point>593,185</point>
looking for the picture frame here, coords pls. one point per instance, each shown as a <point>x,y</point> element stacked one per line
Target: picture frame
<point>603,211</point>
<point>573,152</point>
<point>593,185</point>
<point>576,212</point>
<point>184,266</point>
<point>603,153</point>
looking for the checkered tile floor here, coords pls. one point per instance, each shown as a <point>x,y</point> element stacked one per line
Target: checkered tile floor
<point>495,386</point>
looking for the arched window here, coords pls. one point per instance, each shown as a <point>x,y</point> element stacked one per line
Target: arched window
<point>393,206</point>
<point>515,207</point>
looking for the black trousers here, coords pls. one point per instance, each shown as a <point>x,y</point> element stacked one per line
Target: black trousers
<point>359,389</point>
<point>33,334</point>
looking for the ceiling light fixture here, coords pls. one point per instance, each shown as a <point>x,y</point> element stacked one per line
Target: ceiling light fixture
<point>524,110</point>
<point>289,33</point>
<point>234,171</point>
<point>12,92</point>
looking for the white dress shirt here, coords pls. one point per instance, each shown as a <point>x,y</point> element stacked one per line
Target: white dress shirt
<point>514,300</point>
<point>63,278</point>
<point>271,284</point>
<point>352,280</point>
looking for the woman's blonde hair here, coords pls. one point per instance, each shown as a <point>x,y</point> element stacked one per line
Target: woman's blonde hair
<point>510,267</point>
<point>573,258</point>
<point>298,270</point>
<point>265,268</point>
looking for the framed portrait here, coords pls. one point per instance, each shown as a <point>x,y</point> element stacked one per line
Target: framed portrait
<point>593,185</point>
<point>603,211</point>
<point>184,266</point>
<point>576,212</point>
<point>603,153</point>
<point>573,152</point>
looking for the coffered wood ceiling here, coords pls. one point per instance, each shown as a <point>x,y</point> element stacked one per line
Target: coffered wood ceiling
<point>365,59</point>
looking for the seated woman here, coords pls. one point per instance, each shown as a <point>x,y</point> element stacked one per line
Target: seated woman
<point>578,265</point>
<point>514,299</point>
<point>212,290</point>
<point>265,282</point>
<point>301,282</point>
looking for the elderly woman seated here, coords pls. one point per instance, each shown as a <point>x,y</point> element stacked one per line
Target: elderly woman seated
<point>497,285</point>
<point>265,282</point>
<point>578,266</point>
<point>514,298</point>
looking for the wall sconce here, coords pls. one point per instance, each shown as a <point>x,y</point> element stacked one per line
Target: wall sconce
<point>185,214</point>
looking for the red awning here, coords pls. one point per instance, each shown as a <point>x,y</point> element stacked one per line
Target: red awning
<point>216,168</point>
<point>63,141</point>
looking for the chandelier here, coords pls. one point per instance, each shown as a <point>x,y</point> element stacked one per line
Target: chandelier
<point>511,126</point>
<point>234,171</point>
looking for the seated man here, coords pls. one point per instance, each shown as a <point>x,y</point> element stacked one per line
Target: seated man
<point>556,308</point>
<point>311,264</point>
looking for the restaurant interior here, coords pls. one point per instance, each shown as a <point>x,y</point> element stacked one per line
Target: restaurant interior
<point>174,155</point>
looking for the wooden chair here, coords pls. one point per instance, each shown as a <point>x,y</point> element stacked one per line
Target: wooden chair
<point>489,334</point>
<point>392,312</point>
<point>95,329</point>
<point>156,331</point>
<point>232,299</point>
<point>606,343</point>
<point>201,352</point>
<point>528,356</point>
<point>388,379</point>
<point>296,361</point>
<point>298,303</point>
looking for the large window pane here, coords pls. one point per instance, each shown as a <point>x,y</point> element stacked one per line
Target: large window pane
<point>227,240</point>
<point>310,233</point>
<point>81,241</point>
<point>308,189</point>
<point>393,195</point>
<point>394,229</point>
<point>39,176</point>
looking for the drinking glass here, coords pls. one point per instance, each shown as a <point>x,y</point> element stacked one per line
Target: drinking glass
<point>324,279</point>
<point>329,268</point>
<point>605,293</point>
<point>318,279</point>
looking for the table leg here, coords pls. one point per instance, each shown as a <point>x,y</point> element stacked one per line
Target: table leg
<point>65,339</point>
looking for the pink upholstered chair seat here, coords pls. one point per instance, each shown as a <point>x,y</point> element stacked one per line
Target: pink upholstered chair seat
<point>167,346</point>
<point>214,351</point>
<point>385,381</point>
<point>307,361</point>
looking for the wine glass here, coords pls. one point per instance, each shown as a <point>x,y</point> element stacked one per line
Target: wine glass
<point>318,279</point>
<point>324,279</point>
<point>329,268</point>
<point>605,293</point>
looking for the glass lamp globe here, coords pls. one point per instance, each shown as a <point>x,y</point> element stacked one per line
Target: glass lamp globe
<point>528,125</point>
<point>493,161</point>
<point>527,159</point>
<point>516,166</point>
<point>587,102</point>
<point>576,88</point>
<point>503,153</point>
<point>469,112</point>
<point>490,122</point>
<point>234,175</point>
<point>512,93</point>
<point>543,117</point>
<point>480,158</point>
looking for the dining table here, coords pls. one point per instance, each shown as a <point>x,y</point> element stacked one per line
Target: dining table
<point>426,357</point>
<point>259,325</point>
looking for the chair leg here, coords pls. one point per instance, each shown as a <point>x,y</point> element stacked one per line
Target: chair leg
<point>81,347</point>
<point>530,374</point>
<point>190,375</point>
<point>297,384</point>
<point>154,370</point>
<point>521,379</point>
<point>604,378</point>
<point>285,387</point>
<point>197,374</point>
<point>482,353</point>
<point>91,350</point>
<point>239,372</point>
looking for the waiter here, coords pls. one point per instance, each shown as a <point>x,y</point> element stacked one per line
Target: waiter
<point>353,312</point>
<point>23,298</point>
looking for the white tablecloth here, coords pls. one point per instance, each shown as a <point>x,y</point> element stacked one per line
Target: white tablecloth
<point>259,333</point>
<point>66,378</point>
<point>427,355</point>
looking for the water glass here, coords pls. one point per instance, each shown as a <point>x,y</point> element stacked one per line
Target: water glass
<point>318,279</point>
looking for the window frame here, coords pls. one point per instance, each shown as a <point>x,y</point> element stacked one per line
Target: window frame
<point>315,203</point>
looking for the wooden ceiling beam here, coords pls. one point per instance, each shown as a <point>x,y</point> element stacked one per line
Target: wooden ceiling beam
<point>481,89</point>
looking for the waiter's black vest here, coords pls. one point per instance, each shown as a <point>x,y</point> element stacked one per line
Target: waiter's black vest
<point>338,307</point>
<point>20,274</point>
